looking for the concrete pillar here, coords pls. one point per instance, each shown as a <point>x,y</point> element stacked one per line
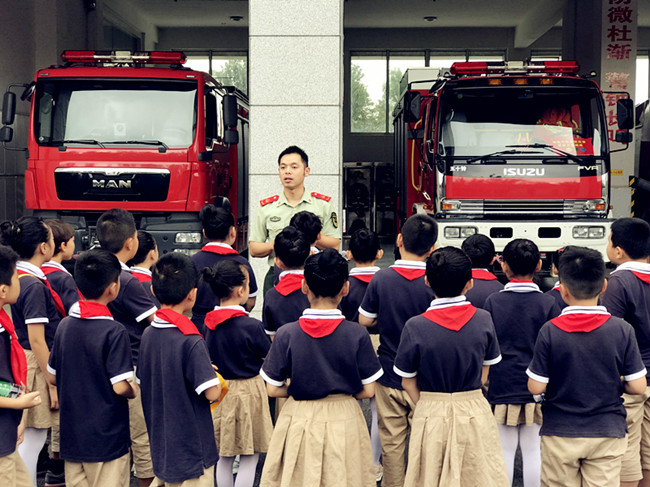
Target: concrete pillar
<point>296,96</point>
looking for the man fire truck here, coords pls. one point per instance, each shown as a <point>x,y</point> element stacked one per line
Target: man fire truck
<point>136,131</point>
<point>509,150</point>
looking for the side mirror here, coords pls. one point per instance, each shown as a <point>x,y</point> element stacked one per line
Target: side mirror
<point>231,137</point>
<point>625,113</point>
<point>230,111</point>
<point>624,137</point>
<point>412,104</point>
<point>8,108</point>
<point>6,133</point>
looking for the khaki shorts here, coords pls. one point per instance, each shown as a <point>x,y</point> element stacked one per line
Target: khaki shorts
<point>139,440</point>
<point>40,416</point>
<point>115,473</point>
<point>205,480</point>
<point>637,454</point>
<point>14,472</point>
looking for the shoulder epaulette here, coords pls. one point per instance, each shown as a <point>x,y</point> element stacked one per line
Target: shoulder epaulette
<point>270,199</point>
<point>322,197</point>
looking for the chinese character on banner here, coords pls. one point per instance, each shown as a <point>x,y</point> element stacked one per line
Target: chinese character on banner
<point>616,33</point>
<point>612,118</point>
<point>620,14</point>
<point>618,81</point>
<point>618,51</point>
<point>619,2</point>
<point>612,98</point>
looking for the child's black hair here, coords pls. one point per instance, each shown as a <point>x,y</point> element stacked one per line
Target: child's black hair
<point>325,273</point>
<point>8,259</point>
<point>294,149</point>
<point>224,276</point>
<point>480,250</point>
<point>146,243</point>
<point>24,235</point>
<point>61,232</point>
<point>522,256</point>
<point>292,247</point>
<point>216,221</point>
<point>633,236</point>
<point>307,223</point>
<point>94,271</point>
<point>419,234</point>
<point>173,277</point>
<point>448,271</point>
<point>114,228</point>
<point>364,245</point>
<point>582,271</point>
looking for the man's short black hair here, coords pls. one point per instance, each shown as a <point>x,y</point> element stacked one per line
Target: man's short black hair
<point>94,271</point>
<point>522,256</point>
<point>173,277</point>
<point>114,228</point>
<point>216,221</point>
<point>633,236</point>
<point>419,234</point>
<point>449,269</point>
<point>364,245</point>
<point>292,247</point>
<point>8,259</point>
<point>294,149</point>
<point>480,250</point>
<point>325,273</point>
<point>582,271</point>
<point>307,223</point>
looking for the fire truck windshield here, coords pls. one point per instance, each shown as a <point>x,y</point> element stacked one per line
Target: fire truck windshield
<point>102,112</point>
<point>484,120</point>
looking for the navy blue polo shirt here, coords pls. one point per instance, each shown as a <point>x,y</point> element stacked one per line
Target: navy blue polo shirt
<point>280,309</point>
<point>132,307</point>
<point>237,345</point>
<point>581,356</point>
<point>89,356</point>
<point>447,346</point>
<point>9,418</point>
<point>34,306</point>
<point>359,279</point>
<point>62,282</point>
<point>340,362</point>
<point>555,292</point>
<point>485,283</point>
<point>628,296</point>
<point>144,276</point>
<point>393,296</point>
<point>205,298</point>
<point>173,372</point>
<point>518,313</point>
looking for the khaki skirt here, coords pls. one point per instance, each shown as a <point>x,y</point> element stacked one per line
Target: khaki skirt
<point>320,443</point>
<point>242,422</point>
<point>40,416</point>
<point>516,414</point>
<point>455,443</point>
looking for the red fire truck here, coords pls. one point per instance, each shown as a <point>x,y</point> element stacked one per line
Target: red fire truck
<point>136,131</point>
<point>509,150</point>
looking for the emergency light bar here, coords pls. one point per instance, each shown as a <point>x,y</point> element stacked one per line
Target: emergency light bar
<point>153,57</point>
<point>515,67</point>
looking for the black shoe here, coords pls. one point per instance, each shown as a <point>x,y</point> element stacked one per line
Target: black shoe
<point>54,480</point>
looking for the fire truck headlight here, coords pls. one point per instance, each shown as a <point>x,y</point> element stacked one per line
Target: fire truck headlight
<point>188,252</point>
<point>188,238</point>
<point>467,231</point>
<point>588,232</point>
<point>452,232</point>
<point>460,232</point>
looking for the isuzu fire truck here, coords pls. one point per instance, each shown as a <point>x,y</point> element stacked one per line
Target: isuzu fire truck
<point>135,131</point>
<point>509,150</point>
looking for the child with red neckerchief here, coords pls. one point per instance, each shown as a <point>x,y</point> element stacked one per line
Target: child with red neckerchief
<point>58,276</point>
<point>144,258</point>
<point>480,250</point>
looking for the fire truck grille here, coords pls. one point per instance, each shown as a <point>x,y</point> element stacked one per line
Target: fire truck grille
<point>501,207</point>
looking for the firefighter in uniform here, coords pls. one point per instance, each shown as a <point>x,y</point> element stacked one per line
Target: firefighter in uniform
<point>276,211</point>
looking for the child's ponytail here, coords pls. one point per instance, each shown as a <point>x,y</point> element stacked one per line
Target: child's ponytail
<point>224,277</point>
<point>24,235</point>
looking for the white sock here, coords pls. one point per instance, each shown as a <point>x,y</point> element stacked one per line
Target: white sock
<point>225,478</point>
<point>247,467</point>
<point>31,447</point>
<point>374,432</point>
<point>531,457</point>
<point>509,438</point>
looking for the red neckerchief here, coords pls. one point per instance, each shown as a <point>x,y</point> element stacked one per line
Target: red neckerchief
<point>58,303</point>
<point>218,249</point>
<point>642,276</point>
<point>556,287</point>
<point>408,273</point>
<point>483,275</point>
<point>363,277</point>
<point>141,276</point>
<point>47,270</point>
<point>218,316</point>
<point>182,322</point>
<point>521,281</point>
<point>451,317</point>
<point>18,359</point>
<point>289,283</point>
<point>317,327</point>
<point>584,322</point>
<point>89,310</point>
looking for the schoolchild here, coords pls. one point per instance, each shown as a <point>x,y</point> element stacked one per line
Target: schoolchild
<point>13,369</point>
<point>555,290</point>
<point>140,264</point>
<point>36,314</point>
<point>393,296</point>
<point>237,345</point>
<point>91,365</point>
<point>310,225</point>
<point>321,437</point>
<point>178,381</point>
<point>443,357</point>
<point>285,302</point>
<point>58,276</point>
<point>220,231</point>
<point>583,361</point>
<point>133,308</point>
<point>518,312</point>
<point>480,250</point>
<point>628,296</point>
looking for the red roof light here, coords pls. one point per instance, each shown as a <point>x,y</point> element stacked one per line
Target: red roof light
<point>97,57</point>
